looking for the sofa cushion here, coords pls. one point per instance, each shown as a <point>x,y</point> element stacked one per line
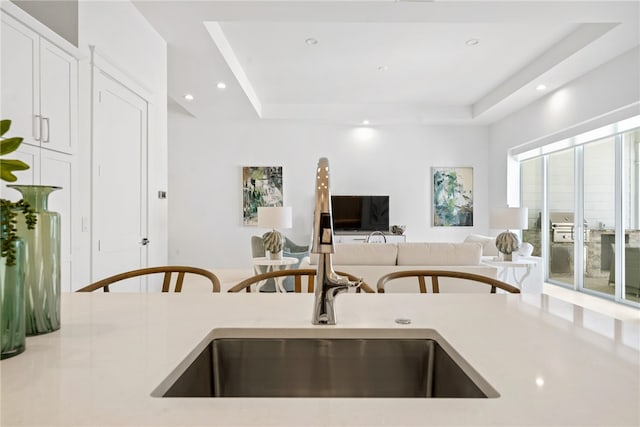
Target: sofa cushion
<point>488,244</point>
<point>362,254</point>
<point>437,253</point>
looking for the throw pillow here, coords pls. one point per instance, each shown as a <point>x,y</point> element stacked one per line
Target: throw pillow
<point>488,244</point>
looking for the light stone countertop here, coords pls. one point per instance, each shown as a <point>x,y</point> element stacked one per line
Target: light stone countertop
<point>553,363</point>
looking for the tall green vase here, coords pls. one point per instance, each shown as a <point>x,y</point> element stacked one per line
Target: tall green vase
<point>42,262</point>
<point>12,319</point>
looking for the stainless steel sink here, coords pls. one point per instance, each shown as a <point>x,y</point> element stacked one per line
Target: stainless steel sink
<point>324,363</point>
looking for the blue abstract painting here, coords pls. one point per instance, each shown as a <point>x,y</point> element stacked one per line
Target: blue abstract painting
<point>453,197</point>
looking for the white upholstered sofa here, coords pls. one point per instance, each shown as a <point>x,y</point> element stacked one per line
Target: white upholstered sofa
<point>370,261</point>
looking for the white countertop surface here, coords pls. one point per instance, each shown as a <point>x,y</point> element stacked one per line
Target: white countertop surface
<point>553,363</point>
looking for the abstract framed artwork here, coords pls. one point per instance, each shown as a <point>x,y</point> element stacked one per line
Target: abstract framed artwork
<point>452,196</point>
<point>261,186</point>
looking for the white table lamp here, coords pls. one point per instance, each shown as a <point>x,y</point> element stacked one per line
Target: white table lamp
<point>274,217</point>
<point>509,219</point>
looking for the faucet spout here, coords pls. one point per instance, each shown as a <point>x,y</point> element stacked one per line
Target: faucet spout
<point>329,283</point>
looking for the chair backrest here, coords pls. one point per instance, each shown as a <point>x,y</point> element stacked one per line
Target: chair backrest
<point>168,270</point>
<point>435,274</point>
<point>297,275</point>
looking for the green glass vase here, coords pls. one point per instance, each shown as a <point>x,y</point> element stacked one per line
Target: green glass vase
<point>42,261</point>
<point>12,319</point>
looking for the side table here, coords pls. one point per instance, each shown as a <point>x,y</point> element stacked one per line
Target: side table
<point>273,265</point>
<point>519,270</point>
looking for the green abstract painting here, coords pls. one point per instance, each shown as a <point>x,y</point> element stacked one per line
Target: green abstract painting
<point>261,186</point>
<point>453,197</point>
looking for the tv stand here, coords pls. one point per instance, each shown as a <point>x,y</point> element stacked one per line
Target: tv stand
<point>361,237</point>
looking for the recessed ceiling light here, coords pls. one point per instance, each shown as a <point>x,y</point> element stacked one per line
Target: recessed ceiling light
<point>311,41</point>
<point>472,42</point>
<point>188,97</point>
<point>383,68</point>
<point>221,85</point>
<point>541,87</point>
<point>365,122</point>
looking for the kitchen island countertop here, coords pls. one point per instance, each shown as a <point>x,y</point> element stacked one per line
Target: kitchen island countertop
<point>552,363</point>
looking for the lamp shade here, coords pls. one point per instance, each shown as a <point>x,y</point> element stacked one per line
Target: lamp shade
<point>275,217</point>
<point>509,218</point>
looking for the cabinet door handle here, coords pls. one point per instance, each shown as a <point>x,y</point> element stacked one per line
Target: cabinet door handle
<point>46,120</point>
<point>37,127</point>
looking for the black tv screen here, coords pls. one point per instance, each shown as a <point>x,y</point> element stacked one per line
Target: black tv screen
<point>360,213</point>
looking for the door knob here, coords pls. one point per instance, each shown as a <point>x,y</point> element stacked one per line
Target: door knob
<point>144,241</point>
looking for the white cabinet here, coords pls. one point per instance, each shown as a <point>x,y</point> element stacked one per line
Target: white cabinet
<point>56,169</point>
<point>375,238</point>
<point>20,83</point>
<point>48,167</point>
<point>39,88</point>
<point>40,97</point>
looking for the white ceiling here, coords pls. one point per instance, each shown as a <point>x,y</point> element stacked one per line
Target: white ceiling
<point>430,74</point>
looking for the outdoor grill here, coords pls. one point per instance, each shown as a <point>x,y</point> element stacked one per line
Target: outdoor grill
<point>562,227</point>
<point>562,239</point>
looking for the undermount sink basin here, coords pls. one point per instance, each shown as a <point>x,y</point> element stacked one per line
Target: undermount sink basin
<point>324,363</point>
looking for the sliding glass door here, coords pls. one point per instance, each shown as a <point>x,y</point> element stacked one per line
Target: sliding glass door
<point>532,197</point>
<point>630,216</point>
<point>584,212</point>
<point>560,196</point>
<point>599,213</point>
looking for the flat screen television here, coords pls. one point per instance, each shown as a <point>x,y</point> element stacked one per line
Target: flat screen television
<point>360,213</point>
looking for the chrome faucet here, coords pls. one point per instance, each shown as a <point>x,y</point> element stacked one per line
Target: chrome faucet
<point>329,283</point>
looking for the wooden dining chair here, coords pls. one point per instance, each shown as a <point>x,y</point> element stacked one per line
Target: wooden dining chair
<point>297,274</point>
<point>435,284</point>
<point>167,270</point>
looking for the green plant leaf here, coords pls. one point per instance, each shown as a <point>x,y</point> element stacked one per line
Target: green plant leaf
<point>7,167</point>
<point>6,175</point>
<point>9,145</point>
<point>4,126</point>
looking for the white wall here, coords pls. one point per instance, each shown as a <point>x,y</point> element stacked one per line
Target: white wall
<point>605,95</point>
<point>206,160</point>
<point>121,34</point>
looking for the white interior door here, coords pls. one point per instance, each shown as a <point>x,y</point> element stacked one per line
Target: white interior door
<point>119,189</point>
